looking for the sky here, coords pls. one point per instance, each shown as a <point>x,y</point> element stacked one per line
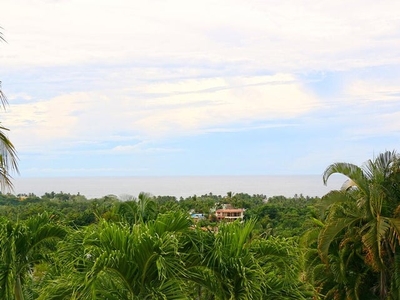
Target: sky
<point>182,87</point>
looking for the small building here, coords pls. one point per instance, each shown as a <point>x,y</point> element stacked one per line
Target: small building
<point>197,217</point>
<point>230,214</point>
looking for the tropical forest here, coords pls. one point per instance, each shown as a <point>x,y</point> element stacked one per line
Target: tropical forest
<point>344,245</point>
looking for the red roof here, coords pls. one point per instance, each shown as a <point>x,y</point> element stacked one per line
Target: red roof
<point>231,210</point>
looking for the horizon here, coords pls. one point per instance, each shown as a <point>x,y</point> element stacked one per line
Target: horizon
<point>129,88</point>
<point>180,186</point>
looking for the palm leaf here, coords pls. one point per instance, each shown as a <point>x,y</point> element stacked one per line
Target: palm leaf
<point>353,172</point>
<point>331,232</point>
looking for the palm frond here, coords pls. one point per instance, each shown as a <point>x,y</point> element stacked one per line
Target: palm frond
<point>8,154</point>
<point>3,98</point>
<point>353,172</point>
<point>378,169</point>
<point>331,232</point>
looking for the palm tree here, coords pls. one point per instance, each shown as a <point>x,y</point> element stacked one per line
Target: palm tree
<point>235,264</point>
<point>122,261</point>
<point>137,211</point>
<point>23,245</point>
<point>364,213</point>
<point>165,258</point>
<point>229,269</point>
<point>8,154</point>
<point>344,275</point>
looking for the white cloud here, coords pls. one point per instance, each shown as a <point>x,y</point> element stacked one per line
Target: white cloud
<point>158,110</point>
<point>62,171</point>
<point>142,147</point>
<point>46,122</point>
<point>236,101</point>
<point>374,125</point>
<point>21,96</point>
<point>138,72</point>
<point>377,104</point>
<point>275,34</point>
<point>373,90</point>
<point>242,128</point>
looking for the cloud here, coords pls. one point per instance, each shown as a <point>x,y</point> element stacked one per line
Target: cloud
<point>249,128</point>
<point>378,125</point>
<point>374,90</point>
<point>157,110</point>
<point>371,108</point>
<point>142,147</point>
<point>46,120</point>
<point>230,106</point>
<point>277,35</point>
<point>62,171</point>
<point>121,77</point>
<point>21,96</point>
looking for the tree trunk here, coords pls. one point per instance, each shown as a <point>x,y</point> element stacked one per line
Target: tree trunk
<point>18,289</point>
<point>382,287</point>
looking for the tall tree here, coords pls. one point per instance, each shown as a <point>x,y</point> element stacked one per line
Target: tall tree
<point>364,214</point>
<point>8,154</point>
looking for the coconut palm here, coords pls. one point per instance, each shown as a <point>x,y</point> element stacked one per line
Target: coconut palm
<point>363,213</point>
<point>23,245</point>
<point>8,154</point>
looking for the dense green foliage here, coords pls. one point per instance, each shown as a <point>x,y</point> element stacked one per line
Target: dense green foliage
<point>343,246</point>
<point>353,250</point>
<point>279,216</point>
<point>139,249</point>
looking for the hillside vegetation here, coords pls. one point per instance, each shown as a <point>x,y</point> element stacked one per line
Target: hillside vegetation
<point>344,245</point>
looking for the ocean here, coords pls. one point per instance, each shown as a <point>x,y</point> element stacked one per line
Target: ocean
<point>180,186</point>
